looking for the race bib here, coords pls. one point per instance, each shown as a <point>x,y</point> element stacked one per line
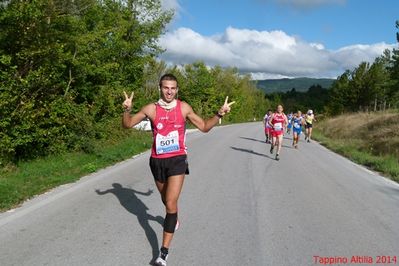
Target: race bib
<point>296,125</point>
<point>278,126</point>
<point>168,143</point>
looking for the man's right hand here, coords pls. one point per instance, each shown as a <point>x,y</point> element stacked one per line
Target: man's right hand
<point>226,107</point>
<point>127,104</point>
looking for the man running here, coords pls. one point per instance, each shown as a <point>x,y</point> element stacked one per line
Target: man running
<point>278,121</point>
<point>309,118</point>
<point>297,123</point>
<point>168,161</point>
<point>267,126</point>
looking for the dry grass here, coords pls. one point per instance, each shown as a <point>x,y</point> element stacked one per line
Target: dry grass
<point>377,133</point>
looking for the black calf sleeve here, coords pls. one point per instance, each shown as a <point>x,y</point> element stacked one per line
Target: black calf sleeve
<point>169,223</point>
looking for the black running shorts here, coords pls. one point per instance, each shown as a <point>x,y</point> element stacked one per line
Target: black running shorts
<point>163,168</point>
<point>307,125</point>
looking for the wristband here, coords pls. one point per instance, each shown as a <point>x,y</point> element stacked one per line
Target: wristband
<point>219,115</point>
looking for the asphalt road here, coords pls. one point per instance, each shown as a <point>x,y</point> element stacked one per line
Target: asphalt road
<point>238,207</point>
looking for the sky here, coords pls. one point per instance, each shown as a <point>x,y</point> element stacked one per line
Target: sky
<point>280,38</point>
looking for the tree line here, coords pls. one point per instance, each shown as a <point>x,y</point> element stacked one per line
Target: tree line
<point>65,63</point>
<point>368,87</point>
<point>315,98</point>
<point>206,88</point>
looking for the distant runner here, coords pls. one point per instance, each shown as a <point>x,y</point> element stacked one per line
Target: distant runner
<point>289,126</point>
<point>168,161</point>
<point>297,123</point>
<point>309,119</point>
<point>267,126</point>
<point>278,121</point>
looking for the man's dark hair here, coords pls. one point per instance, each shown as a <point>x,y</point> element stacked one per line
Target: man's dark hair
<point>167,77</point>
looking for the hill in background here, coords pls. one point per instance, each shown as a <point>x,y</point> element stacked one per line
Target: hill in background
<point>284,85</point>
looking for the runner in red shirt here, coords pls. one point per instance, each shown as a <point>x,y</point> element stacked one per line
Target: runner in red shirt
<point>279,122</point>
<point>268,128</point>
<point>168,160</point>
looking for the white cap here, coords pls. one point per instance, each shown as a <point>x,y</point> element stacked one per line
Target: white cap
<point>310,112</point>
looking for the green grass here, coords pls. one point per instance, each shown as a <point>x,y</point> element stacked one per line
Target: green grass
<point>387,165</point>
<point>27,179</point>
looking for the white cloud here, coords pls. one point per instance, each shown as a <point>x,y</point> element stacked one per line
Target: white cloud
<point>262,76</point>
<point>351,56</point>
<point>267,53</point>
<point>318,46</point>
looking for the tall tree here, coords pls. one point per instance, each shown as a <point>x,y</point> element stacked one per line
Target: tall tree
<point>339,95</point>
<point>393,93</point>
<point>64,64</point>
<point>379,81</point>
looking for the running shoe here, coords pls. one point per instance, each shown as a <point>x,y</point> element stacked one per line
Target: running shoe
<point>296,146</point>
<point>277,157</point>
<point>308,140</point>
<point>161,260</point>
<point>271,149</point>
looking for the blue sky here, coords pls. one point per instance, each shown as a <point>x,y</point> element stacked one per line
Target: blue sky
<point>280,38</point>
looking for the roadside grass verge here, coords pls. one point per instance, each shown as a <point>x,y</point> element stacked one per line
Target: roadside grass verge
<point>27,179</point>
<point>368,139</point>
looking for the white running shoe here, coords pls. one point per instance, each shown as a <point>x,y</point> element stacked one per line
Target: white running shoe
<point>161,260</point>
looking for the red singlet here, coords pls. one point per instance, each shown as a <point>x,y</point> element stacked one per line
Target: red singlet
<point>169,132</point>
<point>278,124</point>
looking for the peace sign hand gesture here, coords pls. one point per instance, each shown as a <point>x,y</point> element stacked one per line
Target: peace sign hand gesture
<point>226,107</point>
<point>127,104</point>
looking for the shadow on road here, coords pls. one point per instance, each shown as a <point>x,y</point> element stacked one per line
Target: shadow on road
<point>262,141</point>
<point>128,199</point>
<point>258,140</point>
<point>252,152</point>
<point>287,146</point>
